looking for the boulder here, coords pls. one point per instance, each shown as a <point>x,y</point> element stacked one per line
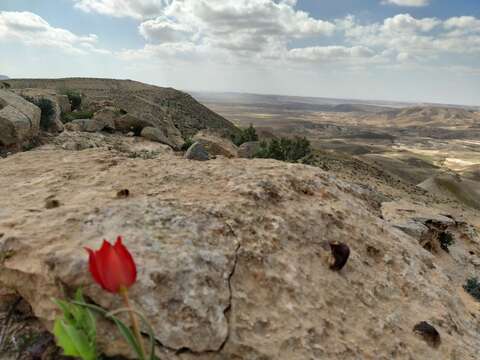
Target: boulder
<point>127,123</point>
<point>247,150</point>
<point>87,125</point>
<point>154,134</point>
<point>216,145</point>
<point>57,104</point>
<point>19,120</point>
<point>197,152</point>
<point>232,257</point>
<point>107,116</point>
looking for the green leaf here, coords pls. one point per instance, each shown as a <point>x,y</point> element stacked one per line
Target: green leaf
<point>128,336</point>
<point>76,330</point>
<point>63,339</point>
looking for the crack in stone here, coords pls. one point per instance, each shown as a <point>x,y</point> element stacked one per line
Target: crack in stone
<point>186,350</point>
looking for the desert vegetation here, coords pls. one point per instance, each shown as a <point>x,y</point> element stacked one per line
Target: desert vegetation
<point>245,135</point>
<point>47,110</point>
<point>284,149</point>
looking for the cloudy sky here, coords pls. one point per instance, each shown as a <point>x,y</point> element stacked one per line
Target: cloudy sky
<point>408,50</point>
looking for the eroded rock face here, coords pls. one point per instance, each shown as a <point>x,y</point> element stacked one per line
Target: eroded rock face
<point>157,135</point>
<point>19,120</point>
<point>232,257</point>
<point>59,103</point>
<point>176,113</point>
<point>215,144</point>
<point>197,152</point>
<point>247,150</point>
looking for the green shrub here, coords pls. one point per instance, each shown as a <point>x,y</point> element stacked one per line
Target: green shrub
<point>284,149</point>
<point>188,142</point>
<point>47,108</point>
<point>245,135</point>
<point>75,99</point>
<point>472,287</point>
<point>446,240</point>
<point>67,117</point>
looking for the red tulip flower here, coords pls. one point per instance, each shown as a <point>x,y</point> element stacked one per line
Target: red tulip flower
<point>112,267</point>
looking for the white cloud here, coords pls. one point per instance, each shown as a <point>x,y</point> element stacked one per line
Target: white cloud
<point>413,3</point>
<point>232,28</point>
<point>407,37</point>
<point>407,23</point>
<point>138,9</point>
<point>33,30</point>
<point>164,30</point>
<point>330,53</point>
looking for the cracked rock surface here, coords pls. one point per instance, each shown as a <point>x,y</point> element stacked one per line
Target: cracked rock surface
<point>232,257</point>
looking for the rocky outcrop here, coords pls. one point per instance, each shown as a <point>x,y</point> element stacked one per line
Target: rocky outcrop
<point>233,257</point>
<point>176,113</point>
<point>87,125</point>
<point>214,144</point>
<point>19,121</point>
<point>107,117</point>
<point>247,150</point>
<point>155,134</point>
<point>57,104</point>
<point>197,152</point>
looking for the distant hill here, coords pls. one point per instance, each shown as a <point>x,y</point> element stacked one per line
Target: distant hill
<point>4,77</point>
<point>432,115</point>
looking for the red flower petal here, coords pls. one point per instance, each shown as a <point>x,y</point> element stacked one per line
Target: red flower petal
<point>130,269</point>
<point>112,267</point>
<point>92,266</point>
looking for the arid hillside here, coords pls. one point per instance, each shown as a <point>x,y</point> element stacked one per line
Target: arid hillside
<point>176,111</point>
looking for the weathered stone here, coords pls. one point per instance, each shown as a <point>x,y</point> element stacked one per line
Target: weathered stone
<point>215,144</point>
<point>87,125</point>
<point>57,102</point>
<point>197,152</point>
<point>247,150</point>
<point>232,257</point>
<point>127,123</point>
<point>19,120</point>
<point>154,134</point>
<point>107,116</point>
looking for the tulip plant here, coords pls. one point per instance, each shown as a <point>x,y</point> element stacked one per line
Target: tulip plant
<point>113,268</point>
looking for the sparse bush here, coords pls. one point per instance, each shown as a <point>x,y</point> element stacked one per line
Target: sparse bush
<point>284,149</point>
<point>245,135</point>
<point>472,286</point>
<point>188,142</point>
<point>446,240</point>
<point>74,98</point>
<point>67,117</point>
<point>47,108</point>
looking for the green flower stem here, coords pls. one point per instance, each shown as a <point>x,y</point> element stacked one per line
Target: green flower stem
<point>133,319</point>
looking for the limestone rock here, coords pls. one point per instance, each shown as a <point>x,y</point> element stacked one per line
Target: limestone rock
<point>232,257</point>
<point>197,152</point>
<point>215,144</point>
<point>19,120</point>
<point>154,134</point>
<point>87,125</point>
<point>107,116</point>
<point>127,123</point>
<point>247,150</point>
<point>59,103</point>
